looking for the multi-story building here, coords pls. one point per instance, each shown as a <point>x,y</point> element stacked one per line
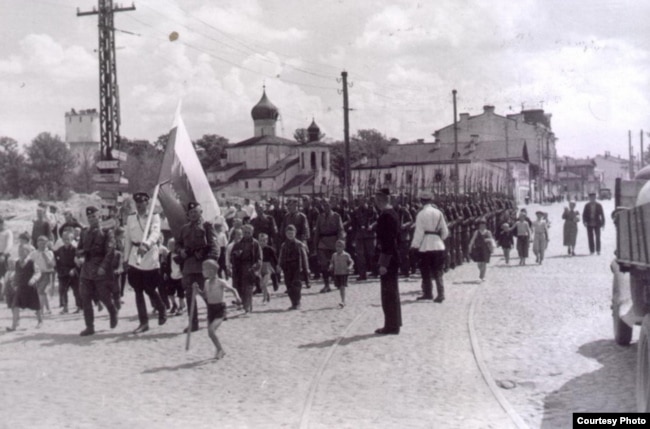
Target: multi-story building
<point>578,177</point>
<point>532,127</point>
<point>609,168</point>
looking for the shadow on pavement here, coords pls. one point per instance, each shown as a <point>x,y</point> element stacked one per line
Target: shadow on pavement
<point>566,256</point>
<point>608,389</point>
<point>344,342</point>
<point>50,339</point>
<point>128,336</point>
<point>189,365</point>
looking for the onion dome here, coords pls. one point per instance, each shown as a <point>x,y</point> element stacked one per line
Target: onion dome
<point>264,109</point>
<point>313,131</point>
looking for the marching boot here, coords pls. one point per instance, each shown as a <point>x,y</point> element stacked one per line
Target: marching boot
<point>113,317</point>
<point>141,329</point>
<point>440,289</point>
<point>86,332</point>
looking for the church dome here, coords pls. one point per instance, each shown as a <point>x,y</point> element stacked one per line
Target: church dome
<point>313,128</point>
<point>264,109</point>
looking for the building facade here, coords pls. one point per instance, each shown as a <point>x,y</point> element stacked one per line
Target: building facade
<point>532,127</point>
<point>267,165</point>
<point>82,136</point>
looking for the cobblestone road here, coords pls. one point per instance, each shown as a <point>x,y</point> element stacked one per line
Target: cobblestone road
<point>543,330</point>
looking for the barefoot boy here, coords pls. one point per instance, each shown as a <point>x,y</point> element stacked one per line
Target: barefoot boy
<point>341,266</point>
<point>214,291</point>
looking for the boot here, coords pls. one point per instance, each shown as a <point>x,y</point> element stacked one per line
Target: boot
<point>86,332</point>
<point>113,317</point>
<point>141,329</point>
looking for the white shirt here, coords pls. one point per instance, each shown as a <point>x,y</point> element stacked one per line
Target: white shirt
<point>133,233</point>
<point>429,219</point>
<point>6,241</point>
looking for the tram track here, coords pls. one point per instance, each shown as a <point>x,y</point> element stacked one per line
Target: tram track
<point>477,354</point>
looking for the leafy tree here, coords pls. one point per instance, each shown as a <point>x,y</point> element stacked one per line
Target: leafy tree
<point>372,143</point>
<point>161,141</point>
<point>50,165</point>
<point>142,165</point>
<point>209,149</point>
<point>12,166</point>
<point>301,135</point>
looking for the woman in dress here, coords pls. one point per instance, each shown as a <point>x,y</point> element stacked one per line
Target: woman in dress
<point>571,218</point>
<point>481,247</point>
<point>523,232</point>
<point>26,295</point>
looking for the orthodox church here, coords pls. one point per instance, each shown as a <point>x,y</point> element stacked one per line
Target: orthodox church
<point>267,165</point>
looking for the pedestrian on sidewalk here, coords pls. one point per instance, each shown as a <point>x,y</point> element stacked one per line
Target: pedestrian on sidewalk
<point>571,218</point>
<point>341,266</point>
<point>593,219</point>
<point>523,232</point>
<point>44,264</point>
<point>481,247</point>
<point>540,236</point>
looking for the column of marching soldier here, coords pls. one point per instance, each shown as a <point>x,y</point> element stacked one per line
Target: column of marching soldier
<point>253,245</point>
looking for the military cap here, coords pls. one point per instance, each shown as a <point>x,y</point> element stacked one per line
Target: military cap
<point>383,191</point>
<point>141,197</point>
<point>539,212</point>
<point>426,196</point>
<point>91,209</point>
<point>192,205</point>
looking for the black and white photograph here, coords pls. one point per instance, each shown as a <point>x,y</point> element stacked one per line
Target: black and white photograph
<point>324,214</point>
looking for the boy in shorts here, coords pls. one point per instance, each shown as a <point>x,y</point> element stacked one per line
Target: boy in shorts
<point>341,265</point>
<point>214,291</point>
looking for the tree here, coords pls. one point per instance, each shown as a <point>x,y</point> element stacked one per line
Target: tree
<point>142,165</point>
<point>209,149</point>
<point>372,143</point>
<point>301,135</point>
<point>12,166</point>
<point>50,165</point>
<point>161,141</point>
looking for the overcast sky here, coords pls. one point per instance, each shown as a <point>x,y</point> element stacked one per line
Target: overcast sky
<point>586,62</point>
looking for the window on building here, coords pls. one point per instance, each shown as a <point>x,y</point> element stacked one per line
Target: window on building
<point>409,177</point>
<point>313,160</point>
<point>323,160</point>
<point>388,177</point>
<point>259,183</point>
<point>302,160</point>
<point>246,184</point>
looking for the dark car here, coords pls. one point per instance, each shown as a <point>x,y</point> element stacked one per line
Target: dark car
<point>605,194</point>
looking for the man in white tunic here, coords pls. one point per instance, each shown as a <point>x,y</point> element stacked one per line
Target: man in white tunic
<point>143,262</point>
<point>429,240</point>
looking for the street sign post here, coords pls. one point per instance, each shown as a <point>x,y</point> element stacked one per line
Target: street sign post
<point>121,186</point>
<point>108,165</point>
<point>119,155</point>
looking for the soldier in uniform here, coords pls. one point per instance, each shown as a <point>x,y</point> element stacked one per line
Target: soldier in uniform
<point>428,238</point>
<point>96,246</point>
<point>196,242</point>
<point>388,230</point>
<point>328,230</point>
<point>363,219</point>
<point>142,260</point>
<point>299,221</point>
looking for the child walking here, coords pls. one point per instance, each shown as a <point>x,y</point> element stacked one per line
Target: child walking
<point>214,296</point>
<point>43,268</point>
<point>481,247</point>
<point>293,261</point>
<point>505,241</point>
<point>341,266</point>
<point>25,295</point>
<point>269,265</point>
<point>66,270</point>
<point>540,236</point>
<point>523,232</point>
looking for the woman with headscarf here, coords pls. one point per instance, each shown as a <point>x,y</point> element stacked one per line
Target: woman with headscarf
<point>571,218</point>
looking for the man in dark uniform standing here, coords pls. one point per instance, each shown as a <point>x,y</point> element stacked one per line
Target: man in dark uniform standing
<point>196,243</point>
<point>593,219</point>
<point>97,247</point>
<point>299,221</point>
<point>388,230</point>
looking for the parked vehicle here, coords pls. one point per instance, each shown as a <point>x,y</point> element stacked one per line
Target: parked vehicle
<point>631,274</point>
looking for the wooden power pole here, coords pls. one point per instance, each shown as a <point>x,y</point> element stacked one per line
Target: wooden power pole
<point>346,135</point>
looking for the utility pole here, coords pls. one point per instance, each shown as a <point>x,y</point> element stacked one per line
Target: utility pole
<point>508,179</point>
<point>109,101</point>
<point>346,135</point>
<point>456,153</point>
<point>629,144</point>
<point>641,152</point>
